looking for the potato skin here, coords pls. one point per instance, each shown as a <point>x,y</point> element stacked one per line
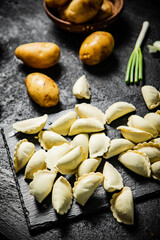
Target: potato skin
<point>42,89</point>
<point>38,54</point>
<point>96,47</point>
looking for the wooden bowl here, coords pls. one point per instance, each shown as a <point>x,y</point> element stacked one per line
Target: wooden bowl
<point>117,6</point>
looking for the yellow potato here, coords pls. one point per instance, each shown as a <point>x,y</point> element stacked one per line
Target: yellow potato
<point>38,54</point>
<point>55,3</point>
<point>96,47</point>
<point>42,89</point>
<point>105,11</point>
<point>81,11</point>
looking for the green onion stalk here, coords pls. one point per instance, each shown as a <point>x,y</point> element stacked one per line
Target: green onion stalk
<point>134,71</point>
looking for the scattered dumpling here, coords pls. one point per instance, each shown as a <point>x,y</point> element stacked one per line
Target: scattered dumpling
<point>117,110</point>
<point>87,166</point>
<point>36,162</point>
<point>155,168</point>
<point>98,144</point>
<point>22,153</point>
<point>62,125</point>
<point>83,141</point>
<point>154,119</point>
<point>62,195</point>
<point>85,110</point>
<point>48,139</point>
<point>86,125</point>
<point>85,186</point>
<point>122,206</point>
<point>142,124</point>
<point>112,178</point>
<point>151,96</point>
<point>42,183</point>
<point>32,125</point>
<point>69,163</point>
<point>151,149</point>
<point>137,162</point>
<point>134,134</point>
<point>81,88</point>
<point>118,146</point>
<point>55,153</point>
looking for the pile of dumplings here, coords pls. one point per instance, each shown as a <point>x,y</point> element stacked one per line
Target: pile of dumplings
<point>138,151</point>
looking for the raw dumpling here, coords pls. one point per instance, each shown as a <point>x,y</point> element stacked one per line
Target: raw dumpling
<point>48,139</point>
<point>87,166</point>
<point>69,163</point>
<point>36,162</point>
<point>42,183</point>
<point>135,135</point>
<point>118,146</point>
<point>117,110</point>
<point>62,125</point>
<point>112,178</point>
<point>62,195</point>
<point>83,141</point>
<point>85,110</point>
<point>156,140</point>
<point>86,125</point>
<point>155,168</point>
<point>85,186</point>
<point>98,144</point>
<point>142,124</point>
<point>122,206</point>
<point>137,162</point>
<point>154,119</point>
<point>81,88</point>
<point>32,125</point>
<point>22,153</point>
<point>151,96</point>
<point>151,149</point>
<point>55,153</point>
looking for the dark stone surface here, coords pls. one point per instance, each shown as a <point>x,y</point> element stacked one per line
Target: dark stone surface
<point>25,21</point>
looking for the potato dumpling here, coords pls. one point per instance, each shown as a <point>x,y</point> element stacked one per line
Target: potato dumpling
<point>96,47</point>
<point>38,54</point>
<point>42,89</point>
<point>55,3</point>
<point>81,11</point>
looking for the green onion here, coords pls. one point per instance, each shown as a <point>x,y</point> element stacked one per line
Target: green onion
<point>155,47</point>
<point>134,71</point>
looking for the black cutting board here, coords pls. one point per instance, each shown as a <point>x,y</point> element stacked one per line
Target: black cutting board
<point>43,215</point>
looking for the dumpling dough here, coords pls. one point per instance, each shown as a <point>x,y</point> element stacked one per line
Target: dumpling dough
<point>151,96</point>
<point>112,178</point>
<point>48,139</point>
<point>98,144</point>
<point>154,119</point>
<point>83,141</point>
<point>85,186</point>
<point>22,153</point>
<point>134,134</point>
<point>85,110</point>
<point>86,125</point>
<point>62,195</point>
<point>81,88</point>
<point>55,153</point>
<point>32,125</point>
<point>87,166</point>
<point>69,163</point>
<point>117,110</point>
<point>156,140</point>
<point>36,162</point>
<point>155,168</point>
<point>142,124</point>
<point>137,162</point>
<point>62,125</point>
<point>118,146</point>
<point>122,206</point>
<point>151,149</point>
<point>42,183</point>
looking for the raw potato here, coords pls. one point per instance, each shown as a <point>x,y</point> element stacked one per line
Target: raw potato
<point>39,54</point>
<point>105,11</point>
<point>55,3</point>
<point>81,11</point>
<point>96,47</point>
<point>42,89</point>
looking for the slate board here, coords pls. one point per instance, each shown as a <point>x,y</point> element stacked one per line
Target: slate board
<point>43,215</point>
